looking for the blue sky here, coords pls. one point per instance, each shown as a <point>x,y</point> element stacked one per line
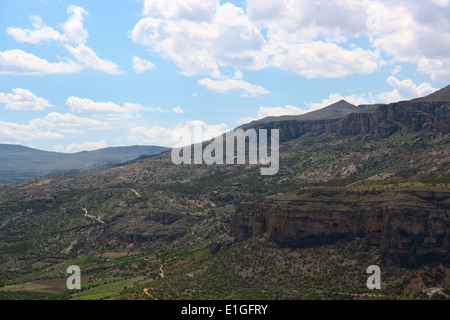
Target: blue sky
<point>82,75</point>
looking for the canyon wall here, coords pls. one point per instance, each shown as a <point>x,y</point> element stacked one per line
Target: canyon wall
<point>406,226</point>
<point>381,122</point>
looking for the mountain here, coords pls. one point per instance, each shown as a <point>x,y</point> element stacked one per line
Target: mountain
<point>439,95</point>
<point>369,187</point>
<point>335,110</point>
<point>19,163</point>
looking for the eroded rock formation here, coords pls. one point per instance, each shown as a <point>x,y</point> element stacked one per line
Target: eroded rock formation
<point>406,226</point>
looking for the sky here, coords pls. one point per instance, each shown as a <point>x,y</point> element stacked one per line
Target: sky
<point>82,75</point>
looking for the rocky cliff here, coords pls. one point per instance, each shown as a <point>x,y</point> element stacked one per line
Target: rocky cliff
<point>382,121</point>
<point>406,226</point>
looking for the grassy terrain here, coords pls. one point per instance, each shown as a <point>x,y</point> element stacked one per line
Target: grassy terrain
<point>104,290</point>
<point>182,210</point>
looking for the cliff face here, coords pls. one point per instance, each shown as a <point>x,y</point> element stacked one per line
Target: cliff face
<point>406,226</point>
<point>382,122</point>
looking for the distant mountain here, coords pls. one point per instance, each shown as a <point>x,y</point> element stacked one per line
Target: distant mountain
<point>19,163</point>
<point>440,95</point>
<point>335,110</point>
<point>368,186</point>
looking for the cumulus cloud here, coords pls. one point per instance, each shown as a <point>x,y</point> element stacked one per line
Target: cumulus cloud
<point>178,110</point>
<point>74,31</point>
<point>141,65</point>
<point>75,37</point>
<point>40,33</point>
<point>264,112</point>
<point>86,146</point>
<point>404,90</point>
<point>223,86</point>
<point>153,135</point>
<point>105,110</point>
<point>55,119</point>
<point>320,59</point>
<point>73,28</point>
<point>19,62</point>
<point>90,59</point>
<point>355,99</point>
<point>10,131</point>
<point>23,99</point>
<point>313,39</point>
<point>201,36</point>
<point>438,69</point>
<point>163,136</point>
<point>197,10</point>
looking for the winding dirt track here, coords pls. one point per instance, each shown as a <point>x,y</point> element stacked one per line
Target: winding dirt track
<point>161,274</point>
<point>136,193</point>
<point>87,215</point>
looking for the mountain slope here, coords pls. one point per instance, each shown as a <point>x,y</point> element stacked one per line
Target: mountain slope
<point>384,172</point>
<point>19,163</point>
<point>440,95</point>
<point>335,110</point>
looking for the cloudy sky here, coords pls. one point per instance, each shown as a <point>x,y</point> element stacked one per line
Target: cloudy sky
<point>82,75</point>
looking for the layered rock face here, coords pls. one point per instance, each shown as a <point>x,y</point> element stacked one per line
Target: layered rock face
<point>406,226</point>
<point>382,122</point>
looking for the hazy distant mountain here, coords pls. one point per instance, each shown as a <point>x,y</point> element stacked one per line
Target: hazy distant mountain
<point>368,186</point>
<point>335,110</point>
<point>19,163</point>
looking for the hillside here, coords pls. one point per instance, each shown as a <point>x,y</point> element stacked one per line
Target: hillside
<point>19,163</point>
<point>365,188</point>
<point>440,95</point>
<point>335,110</point>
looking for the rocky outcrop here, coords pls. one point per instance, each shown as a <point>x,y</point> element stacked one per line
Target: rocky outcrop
<point>165,226</point>
<point>406,226</point>
<point>382,122</point>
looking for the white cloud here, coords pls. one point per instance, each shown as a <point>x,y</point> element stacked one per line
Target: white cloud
<point>404,90</point>
<point>438,69</point>
<point>74,31</point>
<point>197,10</point>
<point>23,63</point>
<point>441,3</point>
<point>264,112</point>
<point>201,36</point>
<point>313,39</point>
<point>279,111</point>
<point>396,70</point>
<point>90,59</point>
<point>105,110</point>
<point>25,132</point>
<point>141,65</point>
<point>73,28</point>
<point>223,86</point>
<point>86,146</point>
<point>155,135</point>
<point>55,119</point>
<point>40,33</point>
<point>163,136</point>
<point>320,59</point>
<point>75,37</point>
<point>22,99</point>
<point>178,110</point>
<point>355,99</point>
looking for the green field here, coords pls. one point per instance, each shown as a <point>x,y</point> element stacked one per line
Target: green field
<point>107,290</point>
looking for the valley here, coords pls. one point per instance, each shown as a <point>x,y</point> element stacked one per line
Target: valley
<point>354,188</point>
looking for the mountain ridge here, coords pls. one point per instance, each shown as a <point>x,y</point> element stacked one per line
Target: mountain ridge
<point>439,95</point>
<point>19,163</point>
<point>373,184</point>
<point>334,110</point>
